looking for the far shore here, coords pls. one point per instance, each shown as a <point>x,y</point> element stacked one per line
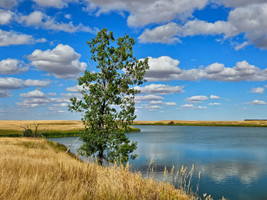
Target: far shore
<point>52,128</point>
<point>245,123</point>
<point>68,128</point>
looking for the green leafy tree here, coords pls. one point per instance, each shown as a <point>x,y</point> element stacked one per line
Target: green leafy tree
<point>107,103</point>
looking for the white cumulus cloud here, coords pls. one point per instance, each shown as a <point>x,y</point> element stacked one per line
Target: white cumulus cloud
<point>76,88</point>
<point>200,108</point>
<point>169,103</point>
<point>15,83</point>
<point>39,19</point>
<point>53,3</point>
<point>198,27</point>
<point>8,4</point>
<point>214,97</point>
<point>150,97</point>
<point>161,34</point>
<point>238,3</point>
<point>192,107</point>
<point>253,26</point>
<point>62,61</point>
<point>11,66</point>
<point>37,98</point>
<point>257,102</point>
<point>154,107</point>
<point>165,69</point>
<point>258,90</point>
<point>149,11</point>
<point>33,94</point>
<point>159,102</point>
<point>160,89</point>
<point>11,83</point>
<point>197,99</point>
<point>5,16</point>
<point>13,38</point>
<point>37,83</point>
<point>187,106</point>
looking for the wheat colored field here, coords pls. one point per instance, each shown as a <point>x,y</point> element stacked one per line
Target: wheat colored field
<point>40,169</point>
<point>205,123</point>
<point>58,125</point>
<point>63,125</point>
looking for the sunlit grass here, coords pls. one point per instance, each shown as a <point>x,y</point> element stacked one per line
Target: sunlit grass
<point>37,169</point>
<point>60,128</point>
<point>255,123</point>
<point>46,134</point>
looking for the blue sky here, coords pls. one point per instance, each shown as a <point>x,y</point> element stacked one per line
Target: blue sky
<point>207,57</point>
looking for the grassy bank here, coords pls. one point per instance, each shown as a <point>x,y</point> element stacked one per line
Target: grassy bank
<point>254,123</point>
<point>60,128</point>
<point>133,129</point>
<point>37,169</point>
<point>46,134</point>
<point>56,128</point>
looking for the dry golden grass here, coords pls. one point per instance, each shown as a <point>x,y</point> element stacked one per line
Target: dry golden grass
<point>206,123</point>
<point>58,125</point>
<point>34,169</point>
<point>63,125</point>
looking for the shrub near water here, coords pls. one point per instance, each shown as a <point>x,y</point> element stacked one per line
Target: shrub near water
<point>34,169</point>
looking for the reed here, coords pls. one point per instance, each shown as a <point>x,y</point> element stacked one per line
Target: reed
<point>181,178</point>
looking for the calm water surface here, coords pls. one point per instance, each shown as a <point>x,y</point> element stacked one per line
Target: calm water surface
<point>232,160</point>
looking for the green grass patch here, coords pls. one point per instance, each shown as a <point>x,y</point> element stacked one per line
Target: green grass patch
<point>56,146</point>
<point>61,148</point>
<point>160,123</point>
<point>46,134</point>
<point>55,133</point>
<point>10,133</point>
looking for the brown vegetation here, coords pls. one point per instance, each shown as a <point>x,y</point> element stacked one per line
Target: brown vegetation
<point>204,123</point>
<point>64,125</point>
<point>38,169</point>
<point>47,128</point>
<point>58,125</point>
<point>50,128</point>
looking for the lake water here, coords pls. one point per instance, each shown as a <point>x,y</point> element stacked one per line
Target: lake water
<point>232,160</point>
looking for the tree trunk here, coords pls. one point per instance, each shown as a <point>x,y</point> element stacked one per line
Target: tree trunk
<point>100,158</point>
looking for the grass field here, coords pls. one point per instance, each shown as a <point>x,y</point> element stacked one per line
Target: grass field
<point>61,128</point>
<point>58,125</point>
<point>39,169</point>
<point>254,123</point>
<point>53,128</point>
<point>14,128</point>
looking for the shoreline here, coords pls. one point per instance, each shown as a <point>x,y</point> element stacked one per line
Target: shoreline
<point>51,173</point>
<point>71,128</point>
<point>252,123</point>
<point>53,128</point>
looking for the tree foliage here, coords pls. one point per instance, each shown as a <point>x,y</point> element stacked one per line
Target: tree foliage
<point>107,103</point>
